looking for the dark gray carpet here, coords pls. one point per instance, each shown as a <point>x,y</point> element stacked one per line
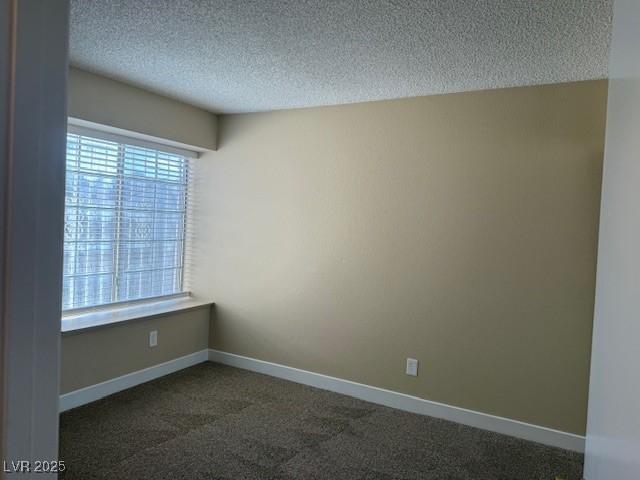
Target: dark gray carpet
<point>216,422</point>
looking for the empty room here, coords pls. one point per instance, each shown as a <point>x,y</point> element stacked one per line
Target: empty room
<point>272,239</point>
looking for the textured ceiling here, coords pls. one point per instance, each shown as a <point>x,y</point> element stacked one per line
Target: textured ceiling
<point>255,55</point>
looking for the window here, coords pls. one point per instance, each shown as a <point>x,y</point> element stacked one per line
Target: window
<point>125,227</point>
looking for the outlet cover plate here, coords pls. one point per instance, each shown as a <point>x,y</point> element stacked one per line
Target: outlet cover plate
<point>412,367</point>
<point>153,338</point>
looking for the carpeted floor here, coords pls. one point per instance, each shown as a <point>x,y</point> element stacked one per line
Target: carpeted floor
<point>216,422</point>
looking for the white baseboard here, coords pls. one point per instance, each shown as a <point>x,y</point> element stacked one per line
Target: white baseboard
<point>100,390</point>
<point>401,401</point>
<point>368,393</point>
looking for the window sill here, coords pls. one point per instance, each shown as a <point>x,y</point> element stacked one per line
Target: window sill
<point>97,319</point>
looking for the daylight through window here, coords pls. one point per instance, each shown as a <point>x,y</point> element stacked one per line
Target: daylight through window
<point>125,222</point>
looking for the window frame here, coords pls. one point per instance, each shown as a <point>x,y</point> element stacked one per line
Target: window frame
<point>123,137</point>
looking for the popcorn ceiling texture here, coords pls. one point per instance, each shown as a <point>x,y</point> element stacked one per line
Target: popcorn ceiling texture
<point>255,55</point>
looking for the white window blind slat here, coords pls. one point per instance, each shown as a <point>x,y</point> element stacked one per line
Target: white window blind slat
<point>125,234</point>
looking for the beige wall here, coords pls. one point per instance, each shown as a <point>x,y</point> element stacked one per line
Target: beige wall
<point>457,229</point>
<point>93,356</point>
<point>115,104</point>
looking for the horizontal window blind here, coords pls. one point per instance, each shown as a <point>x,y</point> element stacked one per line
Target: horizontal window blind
<point>126,222</point>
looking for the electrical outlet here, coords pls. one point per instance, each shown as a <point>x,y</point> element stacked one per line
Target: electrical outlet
<point>153,338</point>
<point>412,367</point>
